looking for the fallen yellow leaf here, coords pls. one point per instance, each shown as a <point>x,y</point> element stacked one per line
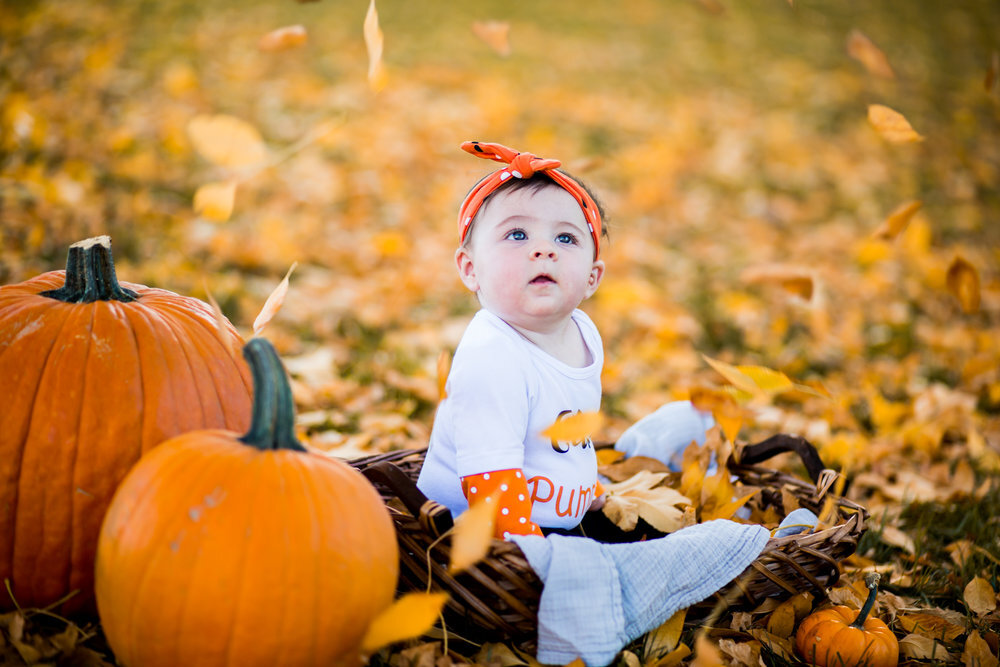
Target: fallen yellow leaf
<point>664,639</point>
<point>215,201</point>
<point>992,73</point>
<point>692,478</point>
<point>963,283</point>
<point>622,511</point>
<point>226,141</point>
<point>273,303</point>
<point>781,622</point>
<point>978,652</point>
<point>390,244</point>
<point>574,428</point>
<point>608,456</point>
<point>408,617</point>
<point>706,654</point>
<point>674,658</point>
<point>891,124</point>
<point>796,280</point>
<point>895,537</point>
<point>642,496</point>
<point>919,647</point>
<point>283,39</point>
<point>662,516</point>
<point>496,35</point>
<point>980,597</point>
<point>728,510</point>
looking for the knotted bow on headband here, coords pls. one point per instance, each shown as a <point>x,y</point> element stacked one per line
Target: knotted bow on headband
<point>523,165</point>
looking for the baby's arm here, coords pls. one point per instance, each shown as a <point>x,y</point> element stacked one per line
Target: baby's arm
<point>510,490</point>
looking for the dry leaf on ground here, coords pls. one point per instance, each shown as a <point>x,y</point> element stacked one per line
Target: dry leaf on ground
<point>641,497</point>
<point>665,638</point>
<point>963,283</point>
<point>496,35</point>
<point>797,281</point>
<point>623,468</point>
<point>980,597</point>
<point>283,39</point>
<point>919,647</point>
<point>215,201</point>
<point>227,141</point>
<point>977,652</point>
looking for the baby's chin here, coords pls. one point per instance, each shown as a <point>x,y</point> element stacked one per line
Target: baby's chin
<point>540,317</point>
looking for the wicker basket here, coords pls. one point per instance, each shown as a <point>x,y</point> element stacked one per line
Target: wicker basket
<point>498,598</point>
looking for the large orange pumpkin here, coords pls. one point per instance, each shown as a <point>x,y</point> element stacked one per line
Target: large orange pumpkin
<point>92,374</point>
<point>226,550</point>
<point>840,637</point>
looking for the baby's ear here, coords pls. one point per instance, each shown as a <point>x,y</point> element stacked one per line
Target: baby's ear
<point>594,280</point>
<point>466,268</point>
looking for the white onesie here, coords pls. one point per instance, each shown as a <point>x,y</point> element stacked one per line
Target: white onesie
<point>502,391</point>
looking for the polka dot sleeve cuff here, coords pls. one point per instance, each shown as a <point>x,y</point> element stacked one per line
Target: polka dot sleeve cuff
<point>511,491</point>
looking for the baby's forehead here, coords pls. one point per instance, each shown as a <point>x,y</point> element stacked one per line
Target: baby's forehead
<point>527,195</point>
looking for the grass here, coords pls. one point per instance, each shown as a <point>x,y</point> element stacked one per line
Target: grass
<point>938,578</point>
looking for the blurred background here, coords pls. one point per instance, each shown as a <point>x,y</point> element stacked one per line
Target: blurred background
<point>751,201</point>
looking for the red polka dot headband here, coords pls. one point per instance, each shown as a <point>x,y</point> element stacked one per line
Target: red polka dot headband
<point>522,165</point>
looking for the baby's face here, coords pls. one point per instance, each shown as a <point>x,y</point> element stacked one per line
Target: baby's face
<point>531,257</point>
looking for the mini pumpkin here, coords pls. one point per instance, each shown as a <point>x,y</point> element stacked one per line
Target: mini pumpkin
<point>94,373</point>
<point>226,550</point>
<point>838,637</point>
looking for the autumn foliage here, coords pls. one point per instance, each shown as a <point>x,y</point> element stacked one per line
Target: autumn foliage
<point>804,223</point>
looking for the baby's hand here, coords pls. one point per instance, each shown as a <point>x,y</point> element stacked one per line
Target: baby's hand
<point>597,504</point>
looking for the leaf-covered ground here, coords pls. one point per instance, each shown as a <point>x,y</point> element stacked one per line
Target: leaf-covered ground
<point>761,213</point>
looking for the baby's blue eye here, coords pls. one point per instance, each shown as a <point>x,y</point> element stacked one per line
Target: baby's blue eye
<point>566,238</point>
<point>517,235</point>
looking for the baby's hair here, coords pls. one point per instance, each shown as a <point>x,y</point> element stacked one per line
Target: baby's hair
<point>533,184</point>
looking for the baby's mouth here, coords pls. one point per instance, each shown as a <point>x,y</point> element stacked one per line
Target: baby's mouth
<point>542,279</point>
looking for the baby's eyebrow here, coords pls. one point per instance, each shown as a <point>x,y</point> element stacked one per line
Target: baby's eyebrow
<point>514,219</point>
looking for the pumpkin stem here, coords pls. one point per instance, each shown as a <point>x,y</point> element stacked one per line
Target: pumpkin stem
<point>871,581</point>
<point>272,424</point>
<point>90,275</point>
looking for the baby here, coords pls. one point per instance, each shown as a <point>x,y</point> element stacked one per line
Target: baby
<point>530,239</point>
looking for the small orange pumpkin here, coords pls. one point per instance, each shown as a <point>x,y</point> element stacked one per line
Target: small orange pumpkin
<point>837,637</point>
<point>221,549</point>
<point>94,372</point>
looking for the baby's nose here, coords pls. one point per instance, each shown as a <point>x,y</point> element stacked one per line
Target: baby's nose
<point>543,251</point>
